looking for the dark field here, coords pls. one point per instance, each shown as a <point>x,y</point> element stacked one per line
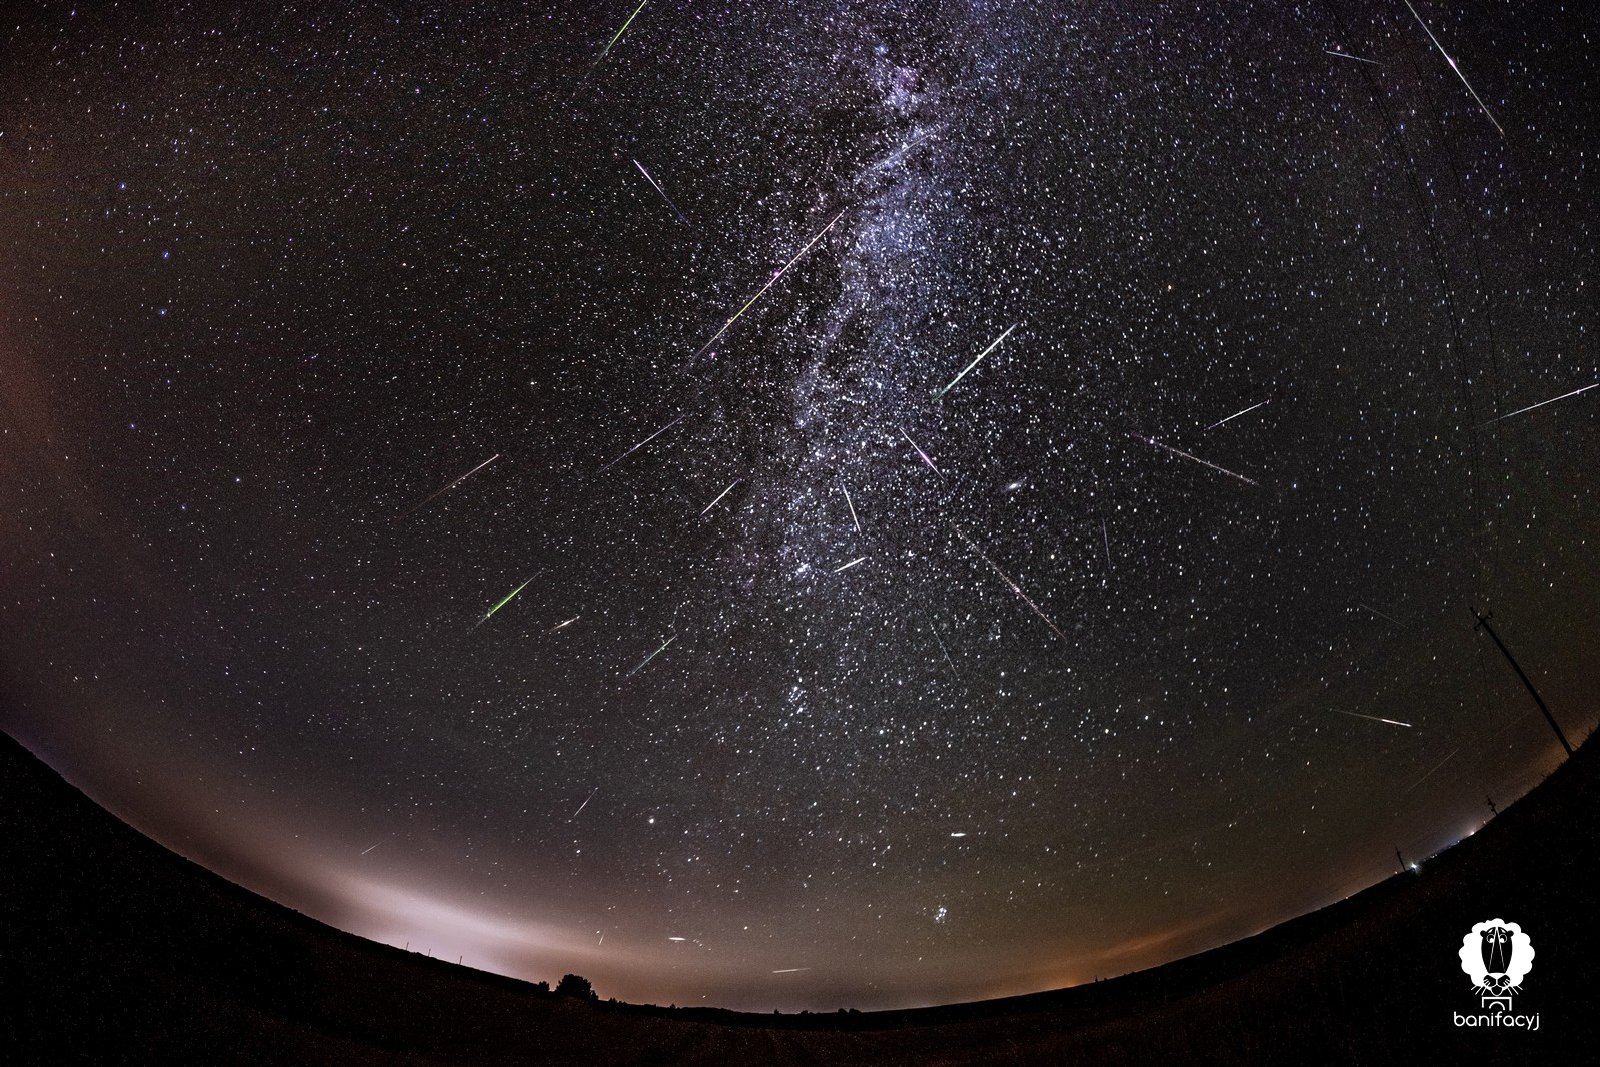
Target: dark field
<point>117,950</point>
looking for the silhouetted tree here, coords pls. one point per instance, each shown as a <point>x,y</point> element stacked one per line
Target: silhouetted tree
<point>572,985</point>
<point>541,989</point>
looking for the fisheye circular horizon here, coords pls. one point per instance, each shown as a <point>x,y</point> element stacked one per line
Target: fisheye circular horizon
<point>798,506</point>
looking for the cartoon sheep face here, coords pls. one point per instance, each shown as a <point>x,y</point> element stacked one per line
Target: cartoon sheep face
<point>1496,955</point>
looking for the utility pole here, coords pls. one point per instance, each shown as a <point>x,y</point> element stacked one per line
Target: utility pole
<point>1492,809</point>
<point>1400,859</point>
<point>1483,624</point>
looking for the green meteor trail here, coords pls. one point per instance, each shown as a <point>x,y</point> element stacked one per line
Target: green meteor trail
<point>618,35</point>
<point>504,601</point>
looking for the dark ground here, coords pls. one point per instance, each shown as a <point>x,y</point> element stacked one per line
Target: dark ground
<point>116,950</point>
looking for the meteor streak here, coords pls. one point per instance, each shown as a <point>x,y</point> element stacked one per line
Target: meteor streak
<point>503,602</point>
<point>1197,459</point>
<point>762,291</point>
<point>618,35</point>
<point>1374,718</point>
<point>640,445</point>
<point>437,493</point>
<point>852,563</point>
<point>1236,414</point>
<point>934,627</point>
<point>370,849</point>
<point>1378,613</point>
<point>791,970</point>
<point>853,516</point>
<point>720,495</point>
<point>579,812</point>
<point>564,625</point>
<point>921,453</point>
<point>662,648</point>
<point>1015,588</point>
<point>1452,62</point>
<point>966,370</point>
<point>900,154</point>
<point>1541,404</point>
<point>1347,55</point>
<point>657,187</point>
<point>1430,774</point>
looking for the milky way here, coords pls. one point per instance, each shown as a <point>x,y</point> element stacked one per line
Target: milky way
<point>798,505</point>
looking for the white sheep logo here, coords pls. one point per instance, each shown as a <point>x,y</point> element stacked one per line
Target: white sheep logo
<point>1496,955</point>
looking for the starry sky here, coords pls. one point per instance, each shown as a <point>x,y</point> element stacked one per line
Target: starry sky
<point>494,482</point>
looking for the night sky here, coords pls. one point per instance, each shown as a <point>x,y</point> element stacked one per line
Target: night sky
<point>825,682</point>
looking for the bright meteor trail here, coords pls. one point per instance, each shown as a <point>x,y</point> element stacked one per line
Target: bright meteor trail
<point>503,602</point>
<point>759,292</point>
<point>968,368</point>
<point>659,649</point>
<point>618,35</point>
<point>440,492</point>
<point>720,495</point>
<point>921,453</point>
<point>657,187</point>
<point>1236,414</point>
<point>1448,59</point>
<point>1347,55</point>
<point>1541,403</point>
<point>1374,718</point>
<point>1015,588</point>
<point>1197,459</point>
<point>852,505</point>
<point>585,804</point>
<point>640,445</point>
